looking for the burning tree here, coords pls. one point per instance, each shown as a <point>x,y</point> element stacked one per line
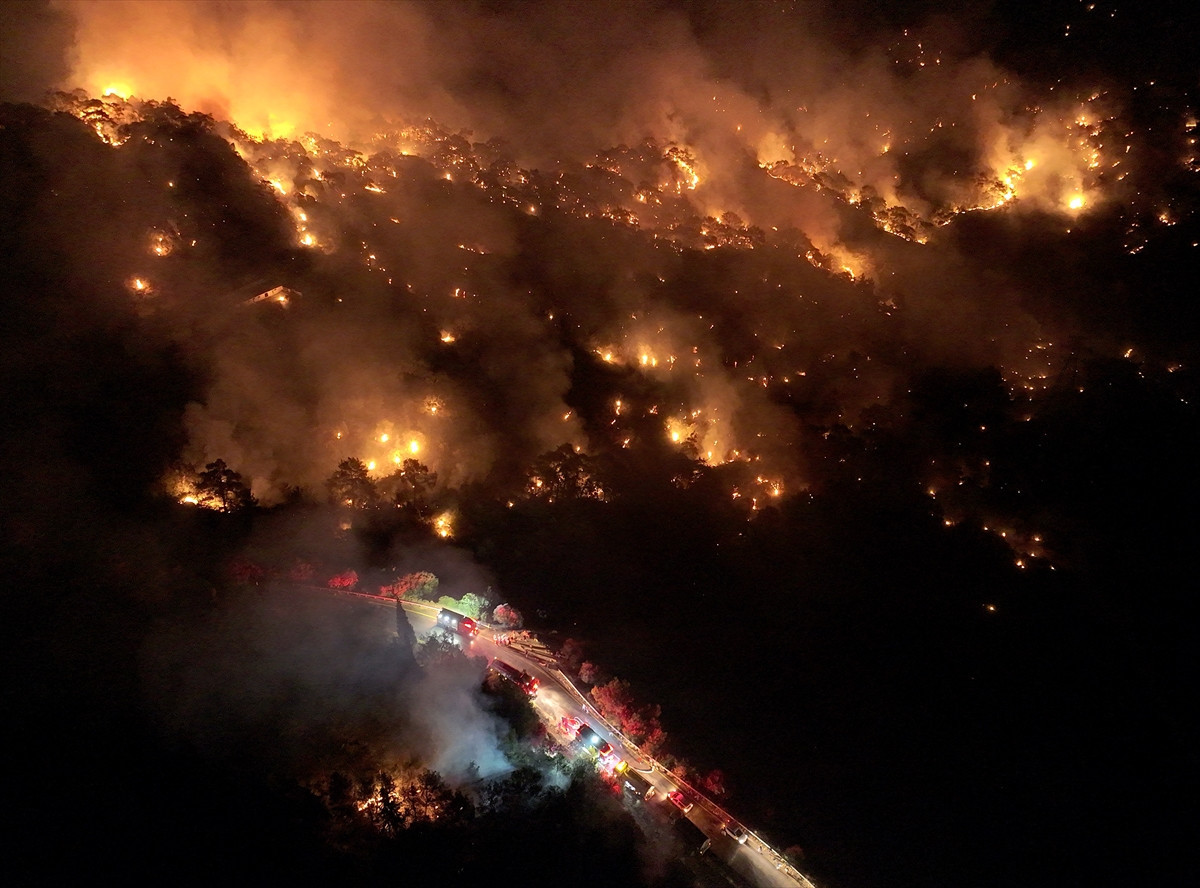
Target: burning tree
<point>398,804</point>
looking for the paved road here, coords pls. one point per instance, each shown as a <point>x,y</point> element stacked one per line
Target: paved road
<point>557,698</point>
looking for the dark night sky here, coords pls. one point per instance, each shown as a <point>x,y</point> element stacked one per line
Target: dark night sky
<point>867,334</point>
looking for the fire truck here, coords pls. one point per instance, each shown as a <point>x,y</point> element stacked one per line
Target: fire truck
<point>464,626</point>
<point>581,734</point>
<point>523,680</point>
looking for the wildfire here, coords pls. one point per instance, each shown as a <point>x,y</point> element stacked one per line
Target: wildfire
<point>182,486</point>
<point>443,525</point>
<point>161,243</point>
<point>1046,158</point>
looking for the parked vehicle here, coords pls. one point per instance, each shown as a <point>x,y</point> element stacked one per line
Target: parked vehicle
<point>735,831</point>
<point>679,800</point>
<point>521,679</point>
<point>464,626</point>
<point>589,739</point>
<point>636,784</point>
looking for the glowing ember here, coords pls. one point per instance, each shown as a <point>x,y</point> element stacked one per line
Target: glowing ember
<point>161,243</point>
<point>139,286</point>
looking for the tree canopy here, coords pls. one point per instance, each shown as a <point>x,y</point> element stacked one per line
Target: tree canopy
<point>351,485</point>
<point>220,487</point>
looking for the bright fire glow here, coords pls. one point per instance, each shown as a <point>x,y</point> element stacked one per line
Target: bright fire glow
<point>443,525</point>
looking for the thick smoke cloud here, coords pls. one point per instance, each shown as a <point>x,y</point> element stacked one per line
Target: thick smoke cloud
<point>34,41</point>
<point>451,320</point>
<point>567,79</point>
<point>309,685</point>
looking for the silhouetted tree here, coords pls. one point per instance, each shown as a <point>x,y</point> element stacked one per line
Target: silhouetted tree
<point>570,655</point>
<point>340,792</point>
<point>413,483</point>
<point>352,486</point>
<point>221,487</point>
<point>565,474</point>
<point>520,790</point>
<point>388,816</point>
<point>404,633</point>
<point>437,648</point>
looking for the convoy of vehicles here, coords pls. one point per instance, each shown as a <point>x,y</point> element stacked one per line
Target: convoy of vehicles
<point>577,731</point>
<point>580,734</point>
<point>523,680</point>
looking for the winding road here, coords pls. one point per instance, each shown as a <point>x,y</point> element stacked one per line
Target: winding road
<point>757,862</point>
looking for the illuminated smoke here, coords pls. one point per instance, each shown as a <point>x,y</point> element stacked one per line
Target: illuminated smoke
<point>428,323</point>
